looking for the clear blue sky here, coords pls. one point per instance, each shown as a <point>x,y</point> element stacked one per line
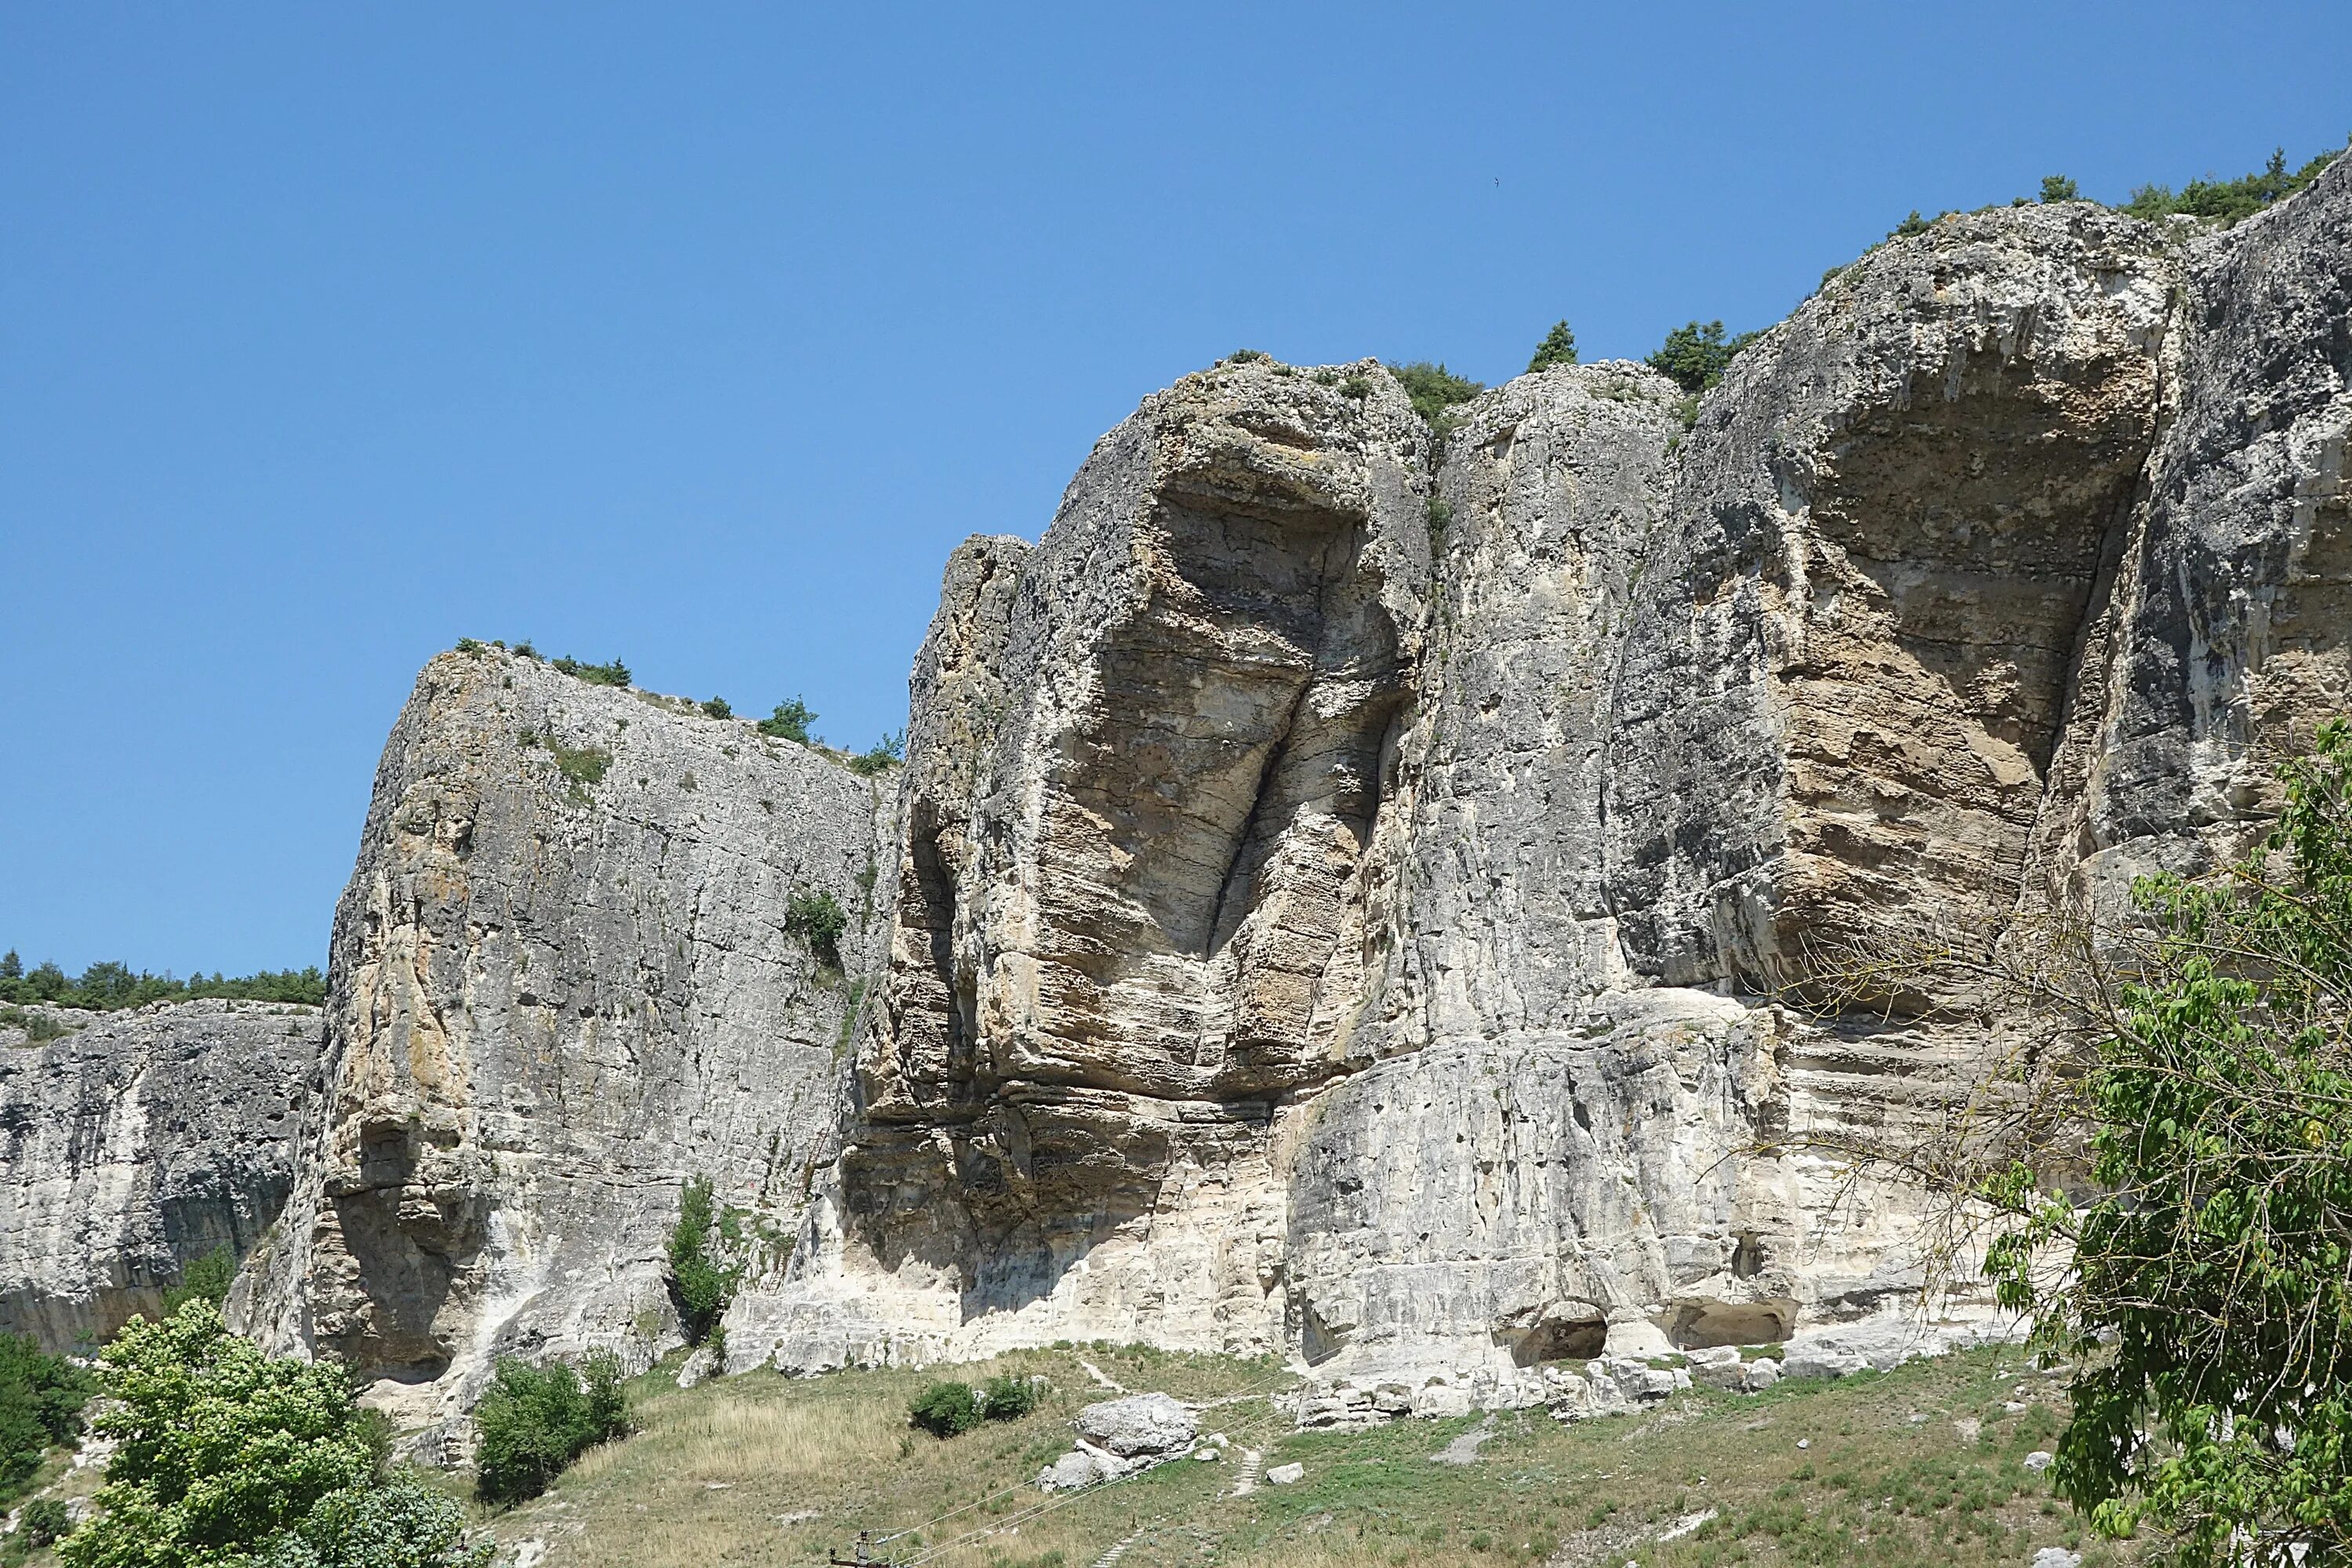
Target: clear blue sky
<point>698,334</point>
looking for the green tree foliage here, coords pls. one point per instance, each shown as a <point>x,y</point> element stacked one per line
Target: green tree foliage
<point>2209,1310</point>
<point>613,674</point>
<point>534,1421</point>
<point>401,1524</point>
<point>106,986</point>
<point>818,920</point>
<point>219,1447</point>
<point>701,1285</point>
<point>2227,201</point>
<point>886,753</point>
<point>205,1278</point>
<point>1433,389</point>
<point>1559,347</point>
<point>2059,188</point>
<point>718,708</point>
<point>44,1522</point>
<point>1007,1397</point>
<point>790,721</point>
<point>41,1400</point>
<point>1695,354</point>
<point>945,1409</point>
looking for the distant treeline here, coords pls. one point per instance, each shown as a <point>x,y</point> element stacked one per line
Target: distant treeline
<point>104,987</point>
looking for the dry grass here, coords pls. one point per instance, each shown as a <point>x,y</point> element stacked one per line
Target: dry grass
<point>762,1470</point>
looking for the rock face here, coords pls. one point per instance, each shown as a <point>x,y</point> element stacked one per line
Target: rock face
<point>565,978</point>
<point>1345,887</point>
<point>1345,878</point>
<point>135,1143</point>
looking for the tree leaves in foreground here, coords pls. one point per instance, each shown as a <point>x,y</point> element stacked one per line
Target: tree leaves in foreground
<point>2198,1277</point>
<point>226,1456</point>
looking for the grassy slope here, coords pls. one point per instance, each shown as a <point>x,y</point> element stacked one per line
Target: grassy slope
<point>760,1469</point>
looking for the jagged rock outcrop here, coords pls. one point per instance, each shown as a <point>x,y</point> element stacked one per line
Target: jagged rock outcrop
<point>565,978</point>
<point>136,1143</point>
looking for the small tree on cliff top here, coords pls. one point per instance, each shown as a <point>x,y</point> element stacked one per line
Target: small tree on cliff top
<point>2203,1291</point>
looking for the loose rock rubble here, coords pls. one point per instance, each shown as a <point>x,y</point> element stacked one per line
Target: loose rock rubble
<point>1119,1436</point>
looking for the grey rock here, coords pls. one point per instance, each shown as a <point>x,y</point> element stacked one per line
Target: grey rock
<point>2224,637</point>
<point>561,984</point>
<point>1140,1426</point>
<point>1821,1361</point>
<point>1073,1471</point>
<point>1285,1475</point>
<point>2057,1557</point>
<point>2039,1460</point>
<point>135,1143</point>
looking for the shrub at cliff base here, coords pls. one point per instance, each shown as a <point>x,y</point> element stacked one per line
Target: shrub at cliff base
<point>535,1420</point>
<point>2209,1309</point>
<point>41,1397</point>
<point>945,1409</point>
<point>227,1456</point>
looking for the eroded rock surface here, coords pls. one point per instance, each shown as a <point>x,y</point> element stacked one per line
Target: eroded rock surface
<point>135,1143</point>
<point>563,980</point>
<point>1352,913</point>
<point>1348,887</point>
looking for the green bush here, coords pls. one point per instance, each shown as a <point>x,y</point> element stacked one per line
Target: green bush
<point>1433,389</point>
<point>107,986</point>
<point>700,1286</point>
<point>41,1399</point>
<point>203,1278</point>
<point>1007,1397</point>
<point>2205,1299</point>
<point>1695,354</point>
<point>790,721</point>
<point>218,1447</point>
<point>586,765</point>
<point>945,1409</point>
<point>2059,188</point>
<point>818,920</point>
<point>613,674</point>
<point>2227,201</point>
<point>1559,347</point>
<point>44,1522</point>
<point>890,750</point>
<point>718,708</point>
<point>534,1421</point>
<point>402,1523</point>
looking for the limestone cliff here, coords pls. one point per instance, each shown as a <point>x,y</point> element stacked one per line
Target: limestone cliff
<point>1346,915</point>
<point>564,980</point>
<point>135,1143</point>
<point>1341,878</point>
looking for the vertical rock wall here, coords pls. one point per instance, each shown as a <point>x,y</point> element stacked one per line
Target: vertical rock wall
<point>1345,877</point>
<point>563,980</point>
<point>136,1143</point>
<point>1403,985</point>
